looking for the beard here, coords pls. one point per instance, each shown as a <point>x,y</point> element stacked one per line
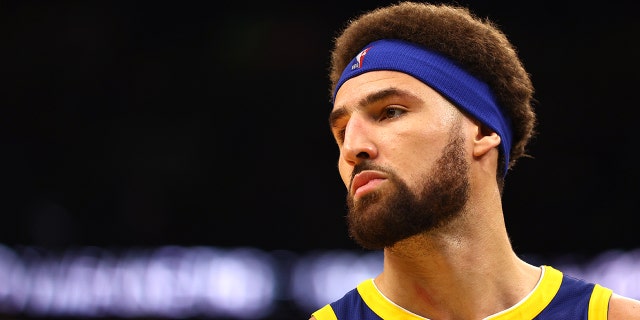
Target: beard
<point>383,217</point>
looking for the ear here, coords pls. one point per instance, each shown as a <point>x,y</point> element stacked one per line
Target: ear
<point>485,140</point>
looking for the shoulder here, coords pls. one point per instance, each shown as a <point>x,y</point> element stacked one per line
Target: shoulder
<point>623,308</point>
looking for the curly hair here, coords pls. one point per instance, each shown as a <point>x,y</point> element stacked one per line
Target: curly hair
<point>476,44</point>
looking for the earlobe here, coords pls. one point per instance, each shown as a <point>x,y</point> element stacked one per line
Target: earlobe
<point>485,141</point>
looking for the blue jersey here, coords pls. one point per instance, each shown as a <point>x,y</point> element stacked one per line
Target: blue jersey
<point>557,296</point>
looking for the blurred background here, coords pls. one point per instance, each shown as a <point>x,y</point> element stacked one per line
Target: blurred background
<point>173,159</point>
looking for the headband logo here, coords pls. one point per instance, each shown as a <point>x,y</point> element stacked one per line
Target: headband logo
<point>359,59</point>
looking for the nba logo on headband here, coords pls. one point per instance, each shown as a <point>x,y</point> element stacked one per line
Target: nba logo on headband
<point>360,59</point>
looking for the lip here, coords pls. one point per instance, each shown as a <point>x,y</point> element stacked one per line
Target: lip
<point>366,181</point>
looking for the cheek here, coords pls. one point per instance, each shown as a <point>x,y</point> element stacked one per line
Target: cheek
<point>411,148</point>
<point>345,172</point>
<point>413,155</point>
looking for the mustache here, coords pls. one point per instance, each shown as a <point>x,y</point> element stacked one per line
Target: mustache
<point>369,165</point>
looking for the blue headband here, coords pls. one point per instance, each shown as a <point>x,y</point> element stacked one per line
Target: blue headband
<point>440,73</point>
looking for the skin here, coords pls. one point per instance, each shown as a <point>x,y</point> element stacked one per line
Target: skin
<point>393,132</point>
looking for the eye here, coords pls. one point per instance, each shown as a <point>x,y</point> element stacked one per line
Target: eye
<point>339,135</point>
<point>338,129</point>
<point>391,112</point>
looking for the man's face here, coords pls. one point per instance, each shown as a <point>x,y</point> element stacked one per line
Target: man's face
<point>402,157</point>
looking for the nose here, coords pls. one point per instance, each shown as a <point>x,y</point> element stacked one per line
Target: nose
<point>358,143</point>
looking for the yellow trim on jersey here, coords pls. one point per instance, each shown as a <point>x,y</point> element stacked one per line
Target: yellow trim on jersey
<point>325,313</point>
<point>382,306</point>
<point>528,308</point>
<point>537,300</point>
<point>599,303</point>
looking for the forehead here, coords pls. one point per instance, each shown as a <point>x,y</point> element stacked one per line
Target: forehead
<point>355,90</point>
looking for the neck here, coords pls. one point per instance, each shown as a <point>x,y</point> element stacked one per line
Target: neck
<point>465,270</point>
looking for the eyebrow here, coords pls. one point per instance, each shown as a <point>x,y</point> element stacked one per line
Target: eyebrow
<point>372,98</point>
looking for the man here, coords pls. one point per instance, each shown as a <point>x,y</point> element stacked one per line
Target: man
<point>431,108</point>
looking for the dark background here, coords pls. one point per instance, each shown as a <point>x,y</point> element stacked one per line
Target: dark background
<point>130,123</point>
